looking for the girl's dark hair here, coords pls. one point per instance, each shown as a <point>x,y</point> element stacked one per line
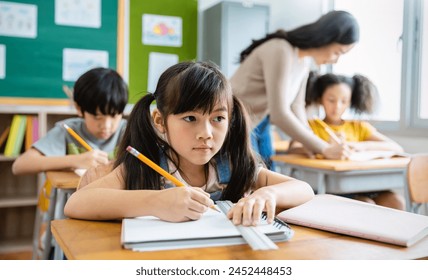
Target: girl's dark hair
<point>184,87</point>
<point>334,27</point>
<point>103,89</point>
<point>364,92</point>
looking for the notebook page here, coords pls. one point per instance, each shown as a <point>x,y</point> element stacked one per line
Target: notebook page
<point>370,155</point>
<point>144,229</point>
<point>80,171</point>
<point>213,224</point>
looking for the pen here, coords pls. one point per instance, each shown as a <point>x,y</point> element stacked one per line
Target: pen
<point>77,137</point>
<point>329,131</point>
<point>158,169</point>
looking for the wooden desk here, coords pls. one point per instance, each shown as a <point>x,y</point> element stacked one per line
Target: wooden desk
<point>343,176</point>
<point>63,183</point>
<point>281,146</point>
<point>89,240</point>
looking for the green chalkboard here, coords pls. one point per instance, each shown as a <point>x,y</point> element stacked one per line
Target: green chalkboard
<point>139,53</point>
<point>34,66</point>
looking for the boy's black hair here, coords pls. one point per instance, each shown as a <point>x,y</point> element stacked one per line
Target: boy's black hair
<point>103,89</point>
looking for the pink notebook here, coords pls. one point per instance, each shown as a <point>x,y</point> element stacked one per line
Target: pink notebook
<point>352,217</point>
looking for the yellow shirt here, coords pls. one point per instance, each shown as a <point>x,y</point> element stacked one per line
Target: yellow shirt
<point>354,131</point>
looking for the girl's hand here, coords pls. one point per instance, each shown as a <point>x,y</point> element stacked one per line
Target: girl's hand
<point>182,204</point>
<point>337,151</point>
<point>356,146</point>
<point>248,210</point>
<point>91,159</point>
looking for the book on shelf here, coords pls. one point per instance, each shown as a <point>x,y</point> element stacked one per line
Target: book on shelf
<point>370,155</point>
<point>3,136</point>
<point>213,229</point>
<point>35,128</point>
<point>29,133</point>
<point>16,136</point>
<point>356,218</point>
<point>32,131</point>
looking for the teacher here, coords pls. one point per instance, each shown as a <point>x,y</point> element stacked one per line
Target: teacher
<point>271,80</point>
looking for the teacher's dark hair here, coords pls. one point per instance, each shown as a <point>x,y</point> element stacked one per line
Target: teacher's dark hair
<point>334,27</point>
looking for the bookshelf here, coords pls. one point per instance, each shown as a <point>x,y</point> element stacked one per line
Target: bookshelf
<point>19,194</point>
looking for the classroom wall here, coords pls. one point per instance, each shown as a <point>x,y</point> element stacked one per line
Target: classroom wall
<point>411,144</point>
<point>148,60</point>
<point>284,14</point>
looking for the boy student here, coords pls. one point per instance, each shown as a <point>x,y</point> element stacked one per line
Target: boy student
<point>100,96</point>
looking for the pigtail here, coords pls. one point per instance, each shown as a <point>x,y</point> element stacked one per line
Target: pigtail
<point>141,135</point>
<point>242,159</point>
<point>312,89</point>
<point>364,95</point>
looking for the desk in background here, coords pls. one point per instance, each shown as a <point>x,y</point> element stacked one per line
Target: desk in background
<point>343,176</point>
<point>90,240</point>
<point>281,146</point>
<point>62,184</point>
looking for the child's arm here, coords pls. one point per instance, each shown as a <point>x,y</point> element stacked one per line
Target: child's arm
<point>297,148</point>
<point>32,161</point>
<point>273,192</point>
<point>376,142</point>
<point>94,173</point>
<point>107,199</point>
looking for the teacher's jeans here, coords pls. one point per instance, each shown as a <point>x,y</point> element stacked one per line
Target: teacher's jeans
<point>261,140</point>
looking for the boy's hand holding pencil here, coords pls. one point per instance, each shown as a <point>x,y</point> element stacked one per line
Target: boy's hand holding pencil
<point>93,157</point>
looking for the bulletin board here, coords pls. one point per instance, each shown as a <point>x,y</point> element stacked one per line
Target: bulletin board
<point>161,18</point>
<point>33,62</point>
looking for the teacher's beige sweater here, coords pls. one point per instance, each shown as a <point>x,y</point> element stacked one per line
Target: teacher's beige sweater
<point>272,81</point>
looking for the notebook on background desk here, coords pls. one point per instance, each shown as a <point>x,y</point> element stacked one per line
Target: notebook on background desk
<point>352,217</point>
<point>370,155</point>
<point>213,229</point>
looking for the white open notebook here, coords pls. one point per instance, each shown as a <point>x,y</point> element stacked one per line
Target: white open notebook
<point>356,218</point>
<point>369,155</point>
<point>213,229</point>
<point>80,171</point>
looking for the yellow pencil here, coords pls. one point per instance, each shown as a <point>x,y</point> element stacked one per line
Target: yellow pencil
<point>77,137</point>
<point>157,168</point>
<point>154,166</point>
<point>328,130</point>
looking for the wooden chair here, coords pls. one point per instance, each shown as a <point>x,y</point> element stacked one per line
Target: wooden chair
<point>417,181</point>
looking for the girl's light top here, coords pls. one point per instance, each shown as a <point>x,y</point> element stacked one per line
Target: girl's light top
<point>158,169</point>
<point>78,138</point>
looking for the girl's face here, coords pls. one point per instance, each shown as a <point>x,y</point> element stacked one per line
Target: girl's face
<point>197,137</point>
<point>330,53</point>
<point>335,100</point>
